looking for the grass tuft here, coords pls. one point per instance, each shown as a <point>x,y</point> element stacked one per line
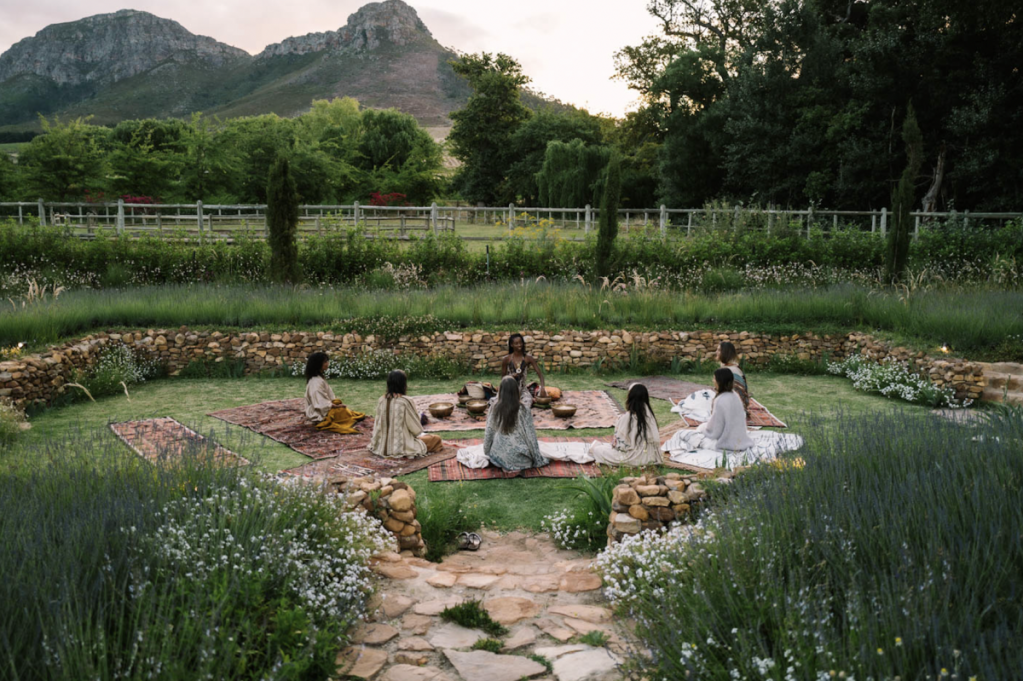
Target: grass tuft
<point>472,615</point>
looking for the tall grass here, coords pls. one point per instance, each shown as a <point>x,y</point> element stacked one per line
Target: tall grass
<point>895,552</point>
<point>113,568</point>
<point>969,322</point>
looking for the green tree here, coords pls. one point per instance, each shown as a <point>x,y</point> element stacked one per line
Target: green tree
<point>146,157</point>
<point>903,198</point>
<point>569,175</point>
<point>528,147</point>
<point>282,223</point>
<point>207,166</point>
<point>8,178</point>
<point>399,156</point>
<point>482,131</point>
<point>64,162</point>
<point>609,216</point>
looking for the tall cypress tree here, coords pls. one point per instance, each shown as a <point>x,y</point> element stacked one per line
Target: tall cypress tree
<point>903,197</point>
<point>282,222</point>
<point>609,215</point>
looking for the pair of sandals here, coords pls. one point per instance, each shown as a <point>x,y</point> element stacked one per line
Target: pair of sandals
<point>469,541</point>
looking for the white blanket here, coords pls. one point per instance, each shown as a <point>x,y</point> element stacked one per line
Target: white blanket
<point>577,452</point>
<point>696,406</point>
<point>696,449</point>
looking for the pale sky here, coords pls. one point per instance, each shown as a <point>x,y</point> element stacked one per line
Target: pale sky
<point>566,46</point>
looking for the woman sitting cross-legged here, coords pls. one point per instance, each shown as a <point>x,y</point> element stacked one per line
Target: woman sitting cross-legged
<point>321,407</point>
<point>729,359</point>
<point>727,424</point>
<point>637,441</point>
<point>397,430</point>
<point>510,440</point>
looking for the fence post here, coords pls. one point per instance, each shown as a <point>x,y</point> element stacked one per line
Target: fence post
<point>770,220</point>
<point>809,220</point>
<point>21,217</point>
<point>42,214</point>
<point>511,218</point>
<point>966,219</point>
<point>689,227</point>
<point>884,221</point>
<point>120,217</point>
<point>355,213</point>
<point>873,222</point>
<point>433,217</point>
<point>664,221</point>
<point>589,218</point>
<point>198,219</point>
<point>916,227</point>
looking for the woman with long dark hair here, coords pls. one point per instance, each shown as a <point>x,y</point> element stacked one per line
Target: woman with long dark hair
<point>727,423</point>
<point>397,430</point>
<point>321,407</point>
<point>728,357</point>
<point>637,441</point>
<point>510,439</point>
<point>517,364</point>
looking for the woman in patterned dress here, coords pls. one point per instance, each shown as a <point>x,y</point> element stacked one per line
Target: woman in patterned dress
<point>510,439</point>
<point>517,364</point>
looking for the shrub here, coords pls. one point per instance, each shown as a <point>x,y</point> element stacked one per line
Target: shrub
<point>117,368</point>
<point>472,615</point>
<point>443,517</point>
<point>863,563</point>
<point>894,380</point>
<point>282,223</point>
<point>583,525</point>
<point>608,228</point>
<point>489,644</point>
<point>12,420</point>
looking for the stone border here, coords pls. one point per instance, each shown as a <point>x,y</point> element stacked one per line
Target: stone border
<point>40,378</point>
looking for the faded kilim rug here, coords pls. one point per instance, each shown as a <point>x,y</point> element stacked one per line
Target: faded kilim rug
<point>673,390</point>
<point>166,439</point>
<point>452,471</point>
<point>594,409</point>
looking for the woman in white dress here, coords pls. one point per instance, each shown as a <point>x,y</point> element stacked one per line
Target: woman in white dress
<point>637,440</point>
<point>726,427</point>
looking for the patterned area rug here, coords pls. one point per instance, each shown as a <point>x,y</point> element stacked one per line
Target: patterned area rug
<point>673,390</point>
<point>452,471</point>
<point>166,439</point>
<point>595,409</point>
<point>359,463</point>
<point>285,422</point>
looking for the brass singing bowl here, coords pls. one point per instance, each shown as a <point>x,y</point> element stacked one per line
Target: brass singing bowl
<point>441,409</point>
<point>563,410</point>
<point>476,406</point>
<point>543,401</point>
<point>462,399</point>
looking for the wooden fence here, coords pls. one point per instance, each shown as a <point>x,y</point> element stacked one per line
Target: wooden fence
<point>486,223</point>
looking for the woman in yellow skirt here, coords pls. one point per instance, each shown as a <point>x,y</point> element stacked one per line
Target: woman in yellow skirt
<point>321,407</point>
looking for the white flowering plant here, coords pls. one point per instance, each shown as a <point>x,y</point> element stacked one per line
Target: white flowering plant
<point>378,363</point>
<point>12,421</point>
<point>118,367</point>
<point>895,380</point>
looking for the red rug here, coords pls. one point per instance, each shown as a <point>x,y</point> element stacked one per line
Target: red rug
<point>166,439</point>
<point>451,470</point>
<point>359,463</point>
<point>673,390</point>
<point>285,422</point>
<point>594,409</point>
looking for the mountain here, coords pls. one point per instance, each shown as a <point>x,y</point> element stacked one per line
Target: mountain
<point>133,64</point>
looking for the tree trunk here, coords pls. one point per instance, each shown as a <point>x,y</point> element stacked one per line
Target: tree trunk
<point>930,201</point>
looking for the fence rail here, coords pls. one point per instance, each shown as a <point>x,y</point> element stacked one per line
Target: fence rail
<point>488,223</point>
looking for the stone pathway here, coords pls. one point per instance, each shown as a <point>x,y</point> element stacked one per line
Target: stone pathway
<point>545,596</point>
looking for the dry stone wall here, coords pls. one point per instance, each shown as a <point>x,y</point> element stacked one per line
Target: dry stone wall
<point>654,502</point>
<point>40,378</point>
<point>391,501</point>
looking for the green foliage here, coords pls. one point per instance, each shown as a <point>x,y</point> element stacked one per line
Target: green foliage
<point>570,172</point>
<point>481,135</point>
<point>903,198</point>
<point>282,223</point>
<point>528,149</point>
<point>542,660</point>
<point>8,177</point>
<point>472,615</point>
<point>595,638</point>
<point>492,645</point>
<point>609,216</point>
<point>11,420</point>
<point>861,602</point>
<point>583,525</point>
<point>443,518</point>
<point>210,368</point>
<point>63,163</point>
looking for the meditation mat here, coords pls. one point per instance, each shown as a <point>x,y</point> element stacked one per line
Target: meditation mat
<point>451,470</point>
<point>594,409</point>
<point>284,421</point>
<point>165,438</point>
<point>673,390</point>
<point>361,462</point>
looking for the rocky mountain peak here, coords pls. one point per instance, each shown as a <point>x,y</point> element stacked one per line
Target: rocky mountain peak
<point>110,47</point>
<point>391,21</point>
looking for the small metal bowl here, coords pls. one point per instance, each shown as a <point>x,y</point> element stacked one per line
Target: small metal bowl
<point>476,406</point>
<point>563,410</point>
<point>462,399</point>
<point>441,409</point>
<point>542,401</point>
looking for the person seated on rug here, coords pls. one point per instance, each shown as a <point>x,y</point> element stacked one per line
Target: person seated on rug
<point>517,363</point>
<point>727,424</point>
<point>637,440</point>
<point>729,359</point>
<point>397,430</point>
<point>510,439</point>
<point>321,407</point>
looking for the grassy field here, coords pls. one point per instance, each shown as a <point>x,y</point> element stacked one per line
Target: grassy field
<point>12,147</point>
<point>499,501</point>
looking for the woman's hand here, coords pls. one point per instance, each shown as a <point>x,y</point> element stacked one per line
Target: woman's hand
<point>543,392</point>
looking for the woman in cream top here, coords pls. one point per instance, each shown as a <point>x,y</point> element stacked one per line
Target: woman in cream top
<point>637,441</point>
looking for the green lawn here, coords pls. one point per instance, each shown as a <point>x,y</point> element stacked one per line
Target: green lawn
<point>501,501</point>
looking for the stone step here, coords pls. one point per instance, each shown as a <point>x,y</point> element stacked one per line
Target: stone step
<point>998,381</point>
<point>1014,368</point>
<point>997,395</point>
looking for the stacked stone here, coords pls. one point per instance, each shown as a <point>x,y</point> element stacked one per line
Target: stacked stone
<point>40,378</point>
<point>391,501</point>
<point>652,503</point>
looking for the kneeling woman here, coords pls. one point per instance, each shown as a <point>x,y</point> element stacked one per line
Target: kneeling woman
<point>637,441</point>
<point>397,430</point>
<point>727,423</point>
<point>510,440</point>
<point>321,407</point>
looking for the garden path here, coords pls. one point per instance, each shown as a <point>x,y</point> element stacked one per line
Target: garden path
<point>544,595</point>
